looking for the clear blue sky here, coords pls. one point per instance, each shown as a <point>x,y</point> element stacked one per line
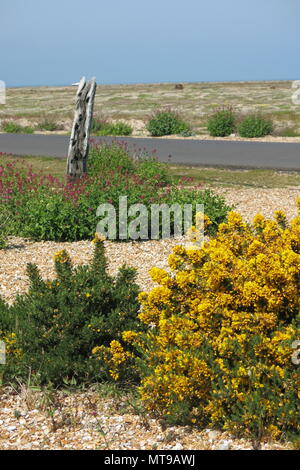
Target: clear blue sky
<point>137,41</point>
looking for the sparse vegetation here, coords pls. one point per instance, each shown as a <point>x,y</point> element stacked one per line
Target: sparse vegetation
<point>50,125</point>
<point>14,128</point>
<point>288,132</point>
<point>134,102</point>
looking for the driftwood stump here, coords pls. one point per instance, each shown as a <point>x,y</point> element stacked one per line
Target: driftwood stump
<point>79,141</point>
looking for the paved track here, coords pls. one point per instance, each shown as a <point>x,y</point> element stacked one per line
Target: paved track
<point>284,156</point>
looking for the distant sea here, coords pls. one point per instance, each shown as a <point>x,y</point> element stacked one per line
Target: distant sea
<point>36,85</point>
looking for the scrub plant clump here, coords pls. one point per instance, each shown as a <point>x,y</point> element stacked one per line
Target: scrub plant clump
<point>221,328</point>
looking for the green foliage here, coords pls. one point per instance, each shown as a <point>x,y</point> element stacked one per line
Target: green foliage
<point>121,128</point>
<point>222,123</point>
<point>44,208</point>
<point>50,216</point>
<point>5,220</point>
<point>115,157</point>
<point>106,158</point>
<point>186,132</point>
<point>103,127</point>
<point>14,128</point>
<point>255,126</point>
<point>153,171</point>
<point>58,323</point>
<point>167,122</point>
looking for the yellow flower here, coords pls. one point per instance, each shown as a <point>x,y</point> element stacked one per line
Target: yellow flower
<point>232,303</point>
<point>98,238</point>
<point>61,256</point>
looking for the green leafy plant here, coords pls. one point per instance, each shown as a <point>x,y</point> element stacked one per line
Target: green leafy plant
<point>255,126</point>
<point>121,128</point>
<point>103,127</point>
<point>167,122</point>
<point>222,123</point>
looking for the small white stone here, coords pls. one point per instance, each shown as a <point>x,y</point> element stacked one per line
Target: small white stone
<point>11,428</point>
<point>212,435</point>
<point>224,445</point>
<point>177,446</point>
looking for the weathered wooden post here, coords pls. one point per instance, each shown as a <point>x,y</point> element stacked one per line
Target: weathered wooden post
<point>79,141</point>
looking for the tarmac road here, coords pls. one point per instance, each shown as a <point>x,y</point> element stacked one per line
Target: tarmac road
<point>235,154</point>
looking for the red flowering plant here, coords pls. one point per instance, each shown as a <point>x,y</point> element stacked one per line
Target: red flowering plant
<point>43,207</point>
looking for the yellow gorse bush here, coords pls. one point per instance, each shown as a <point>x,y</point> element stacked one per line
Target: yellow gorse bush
<point>115,356</point>
<point>221,324</point>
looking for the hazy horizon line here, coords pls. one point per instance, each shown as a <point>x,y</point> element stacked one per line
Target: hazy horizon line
<point>157,83</point>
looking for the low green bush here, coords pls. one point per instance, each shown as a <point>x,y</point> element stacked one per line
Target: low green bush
<point>51,330</point>
<point>14,128</point>
<point>222,123</point>
<point>255,126</point>
<point>103,127</point>
<point>167,122</point>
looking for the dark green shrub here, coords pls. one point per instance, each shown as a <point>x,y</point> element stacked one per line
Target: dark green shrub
<point>167,122</point>
<point>222,123</point>
<point>255,126</point>
<point>59,322</point>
